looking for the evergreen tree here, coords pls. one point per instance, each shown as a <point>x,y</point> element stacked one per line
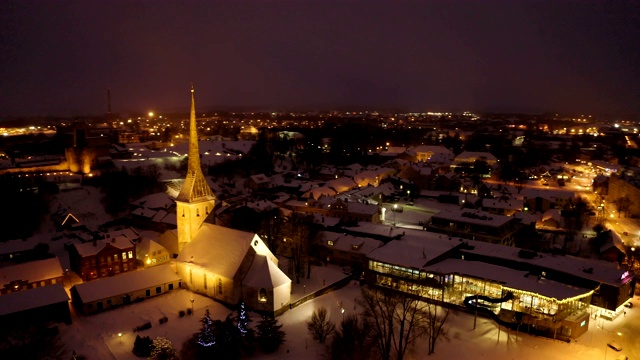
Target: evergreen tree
<point>206,336</point>
<point>142,346</point>
<point>243,321</point>
<point>270,337</point>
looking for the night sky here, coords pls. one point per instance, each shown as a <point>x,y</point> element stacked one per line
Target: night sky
<point>59,57</point>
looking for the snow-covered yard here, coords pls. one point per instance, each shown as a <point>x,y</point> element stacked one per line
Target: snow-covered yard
<point>97,337</point>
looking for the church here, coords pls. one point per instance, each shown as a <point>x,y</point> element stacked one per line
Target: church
<point>224,264</point>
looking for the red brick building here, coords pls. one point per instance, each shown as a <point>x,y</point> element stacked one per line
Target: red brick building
<point>102,258</point>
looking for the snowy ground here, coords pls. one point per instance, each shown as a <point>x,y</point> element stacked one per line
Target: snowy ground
<point>97,337</point>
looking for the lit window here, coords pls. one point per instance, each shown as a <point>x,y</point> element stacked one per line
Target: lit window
<point>125,267</point>
<point>124,256</point>
<point>130,254</point>
<point>330,242</point>
<point>262,295</point>
<point>115,257</point>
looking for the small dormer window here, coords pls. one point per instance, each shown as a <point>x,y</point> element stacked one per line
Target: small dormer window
<point>262,295</point>
<point>330,242</point>
<point>255,243</point>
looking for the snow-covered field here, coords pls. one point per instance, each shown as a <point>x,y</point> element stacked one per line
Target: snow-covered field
<point>97,337</point>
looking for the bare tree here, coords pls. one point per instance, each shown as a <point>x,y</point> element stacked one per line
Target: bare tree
<point>436,321</point>
<point>300,234</point>
<point>351,340</point>
<point>622,204</point>
<point>320,326</point>
<point>395,320</point>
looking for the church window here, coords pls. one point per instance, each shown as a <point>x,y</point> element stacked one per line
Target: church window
<point>109,260</point>
<point>220,286</point>
<point>124,256</point>
<point>130,254</point>
<point>205,281</point>
<point>262,295</point>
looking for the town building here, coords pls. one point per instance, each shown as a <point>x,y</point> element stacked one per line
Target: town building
<point>474,225</point>
<point>225,264</point>
<point>30,275</point>
<point>543,294</point>
<point>101,258</point>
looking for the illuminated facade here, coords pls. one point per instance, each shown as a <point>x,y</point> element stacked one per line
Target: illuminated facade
<point>225,264</point>
<point>544,295</point>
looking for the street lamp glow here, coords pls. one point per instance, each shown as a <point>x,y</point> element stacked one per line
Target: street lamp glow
<point>150,113</point>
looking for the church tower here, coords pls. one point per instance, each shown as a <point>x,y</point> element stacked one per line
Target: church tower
<point>196,200</point>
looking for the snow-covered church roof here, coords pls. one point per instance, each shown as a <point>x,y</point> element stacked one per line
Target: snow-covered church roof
<point>265,274</point>
<point>221,250</point>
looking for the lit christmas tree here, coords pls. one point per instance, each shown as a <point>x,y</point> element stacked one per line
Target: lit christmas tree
<point>243,320</point>
<point>206,336</point>
<point>163,350</point>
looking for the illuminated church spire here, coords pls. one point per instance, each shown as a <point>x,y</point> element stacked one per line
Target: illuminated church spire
<point>195,200</point>
<point>195,186</point>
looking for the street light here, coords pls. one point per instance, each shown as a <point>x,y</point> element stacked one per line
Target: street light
<point>120,337</point>
<point>395,209</point>
<point>342,314</point>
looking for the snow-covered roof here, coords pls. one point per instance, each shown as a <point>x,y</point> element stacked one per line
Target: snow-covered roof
<point>508,204</point>
<point>144,212</point>
<point>32,271</point>
<point>341,184</point>
<point>32,298</point>
<point>124,283</point>
<point>475,155</point>
<point>349,243</point>
<point>360,208</point>
<point>221,250</point>
<point>601,271</point>
<point>554,214</point>
<point>473,217</point>
<point>88,249</point>
<point>155,201</point>
<point>18,245</point>
<point>263,273</point>
<point>412,252</point>
<point>434,149</point>
<point>260,179</point>
<point>508,277</point>
<point>325,220</point>
<point>147,246</point>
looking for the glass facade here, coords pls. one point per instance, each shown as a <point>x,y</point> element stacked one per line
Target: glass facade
<point>454,288</point>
